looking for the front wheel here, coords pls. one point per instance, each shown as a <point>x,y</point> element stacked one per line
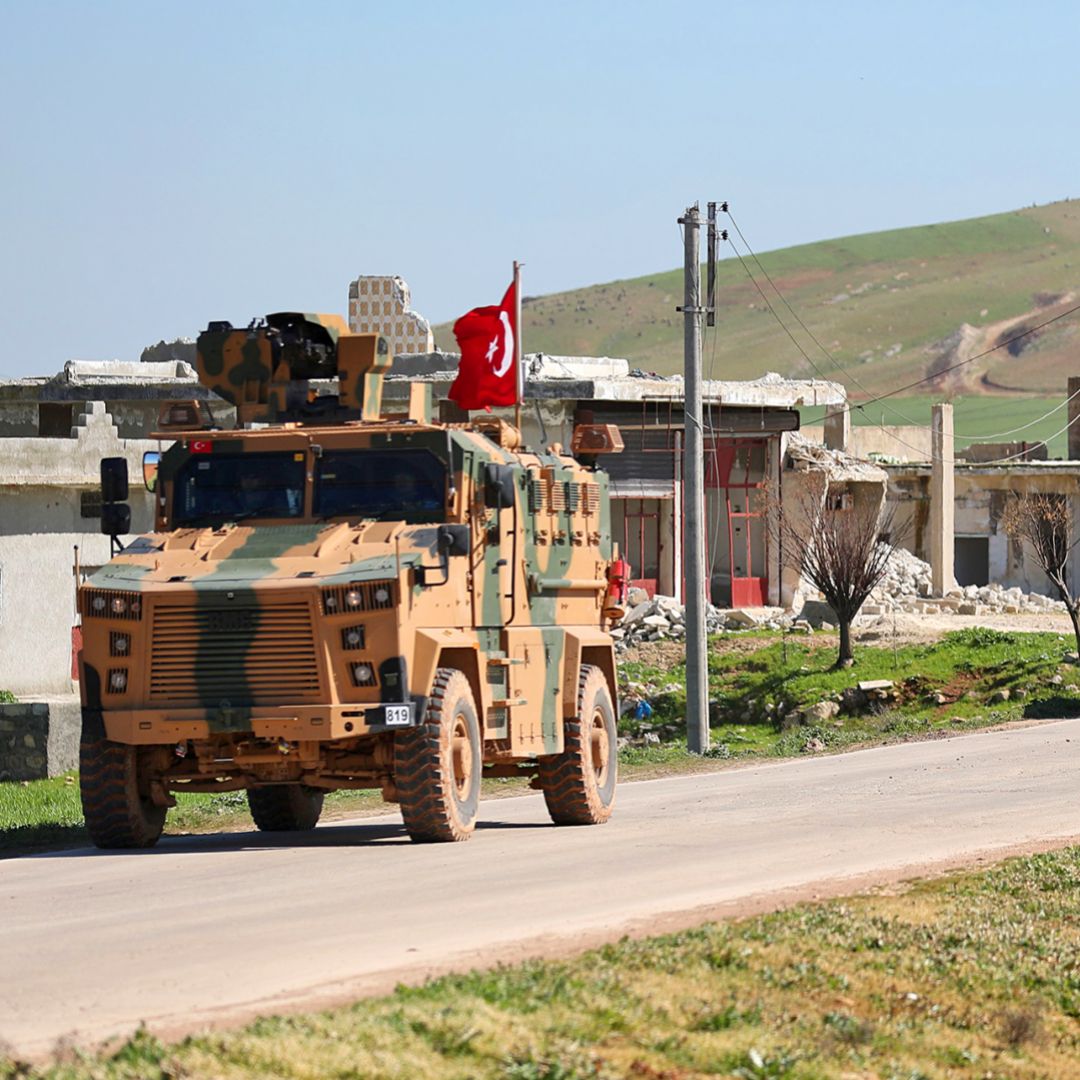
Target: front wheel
<point>114,788</point>
<point>579,783</point>
<point>438,764</point>
<point>288,808</point>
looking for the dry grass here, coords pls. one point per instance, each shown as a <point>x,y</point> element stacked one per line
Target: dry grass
<point>976,975</point>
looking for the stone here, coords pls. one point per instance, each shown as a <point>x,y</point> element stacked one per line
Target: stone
<point>1070,658</point>
<point>658,621</point>
<point>1020,694</point>
<point>651,738</point>
<point>814,746</point>
<point>1000,695</point>
<point>636,595</point>
<point>618,634</point>
<point>827,626</point>
<point>637,613</point>
<point>871,609</point>
<point>28,742</point>
<point>1056,680</point>
<point>967,608</point>
<point>823,710</point>
<point>869,686</point>
<point>742,618</point>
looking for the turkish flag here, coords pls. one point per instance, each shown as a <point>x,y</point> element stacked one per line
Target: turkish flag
<point>487,338</point>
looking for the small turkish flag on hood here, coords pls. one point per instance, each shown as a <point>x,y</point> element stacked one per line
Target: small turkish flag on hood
<point>487,338</point>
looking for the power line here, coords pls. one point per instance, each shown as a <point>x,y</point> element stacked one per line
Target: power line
<point>795,315</point>
<point>971,359</point>
<point>837,364</point>
<point>1022,427</point>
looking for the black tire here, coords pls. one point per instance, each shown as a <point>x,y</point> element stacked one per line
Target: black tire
<point>438,764</point>
<point>579,784</point>
<point>288,808</point>
<point>116,804</point>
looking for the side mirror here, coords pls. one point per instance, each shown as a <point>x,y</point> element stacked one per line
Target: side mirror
<point>498,485</point>
<point>115,519</point>
<point>114,480</point>
<point>454,539</point>
<point>150,461</point>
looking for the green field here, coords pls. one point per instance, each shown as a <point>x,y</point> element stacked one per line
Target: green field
<point>882,305</point>
<point>974,418</point>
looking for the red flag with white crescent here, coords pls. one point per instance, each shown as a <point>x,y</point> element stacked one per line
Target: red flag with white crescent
<point>487,338</point>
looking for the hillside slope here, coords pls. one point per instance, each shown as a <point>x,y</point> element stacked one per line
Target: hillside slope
<point>891,307</point>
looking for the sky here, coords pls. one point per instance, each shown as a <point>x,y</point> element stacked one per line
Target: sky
<point>167,164</point>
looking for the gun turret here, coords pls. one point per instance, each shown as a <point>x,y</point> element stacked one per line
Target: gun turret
<point>266,369</point>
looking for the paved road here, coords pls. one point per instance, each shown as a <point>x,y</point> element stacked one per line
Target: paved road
<point>220,927</point>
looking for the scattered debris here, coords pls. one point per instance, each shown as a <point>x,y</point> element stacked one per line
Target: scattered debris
<point>906,588</point>
<point>663,617</point>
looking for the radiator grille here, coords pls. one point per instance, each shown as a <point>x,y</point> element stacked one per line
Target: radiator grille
<point>240,654</point>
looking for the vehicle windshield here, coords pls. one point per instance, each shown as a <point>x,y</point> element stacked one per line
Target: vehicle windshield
<point>231,487</point>
<point>401,485</point>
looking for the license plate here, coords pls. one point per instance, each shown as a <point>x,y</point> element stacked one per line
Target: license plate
<point>398,715</point>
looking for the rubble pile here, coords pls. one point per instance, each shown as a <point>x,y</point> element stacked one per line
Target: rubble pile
<point>906,588</point>
<point>662,617</point>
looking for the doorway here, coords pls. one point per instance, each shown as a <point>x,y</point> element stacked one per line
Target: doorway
<point>736,515</point>
<point>636,522</point>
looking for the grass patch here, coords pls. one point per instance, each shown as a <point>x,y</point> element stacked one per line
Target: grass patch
<point>759,692</point>
<point>971,975</point>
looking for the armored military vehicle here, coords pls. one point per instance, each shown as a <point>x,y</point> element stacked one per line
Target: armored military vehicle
<point>335,596</point>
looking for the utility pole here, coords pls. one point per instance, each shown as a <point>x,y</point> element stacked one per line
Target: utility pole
<point>693,487</point>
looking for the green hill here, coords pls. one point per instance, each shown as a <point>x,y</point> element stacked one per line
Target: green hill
<point>890,307</point>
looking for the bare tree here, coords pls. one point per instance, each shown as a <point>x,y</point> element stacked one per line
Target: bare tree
<point>1044,524</point>
<point>841,546</point>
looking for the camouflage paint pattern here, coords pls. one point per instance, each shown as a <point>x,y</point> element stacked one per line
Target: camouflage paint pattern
<point>271,648</point>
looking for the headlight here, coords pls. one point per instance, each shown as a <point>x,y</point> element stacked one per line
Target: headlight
<point>354,598</point>
<point>119,644</point>
<point>117,681</point>
<point>110,604</point>
<point>352,637</point>
<point>382,595</point>
<point>363,675</point>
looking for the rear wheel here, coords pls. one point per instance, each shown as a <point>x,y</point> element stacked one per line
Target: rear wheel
<point>288,808</point>
<point>115,792</point>
<point>579,783</point>
<point>438,764</point>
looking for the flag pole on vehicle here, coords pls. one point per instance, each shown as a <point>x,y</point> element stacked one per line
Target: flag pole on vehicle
<point>519,353</point>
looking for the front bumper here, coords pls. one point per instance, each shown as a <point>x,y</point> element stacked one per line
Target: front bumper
<point>317,723</point>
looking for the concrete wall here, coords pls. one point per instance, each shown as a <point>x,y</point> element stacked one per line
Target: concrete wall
<point>38,740</point>
<point>379,303</point>
<point>902,442</point>
<point>42,482</point>
<point>978,506</point>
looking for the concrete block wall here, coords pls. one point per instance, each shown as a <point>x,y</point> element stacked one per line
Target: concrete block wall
<point>379,303</point>
<point>38,739</point>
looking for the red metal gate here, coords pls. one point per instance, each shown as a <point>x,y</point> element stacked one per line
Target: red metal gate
<point>641,543</point>
<point>736,467</point>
